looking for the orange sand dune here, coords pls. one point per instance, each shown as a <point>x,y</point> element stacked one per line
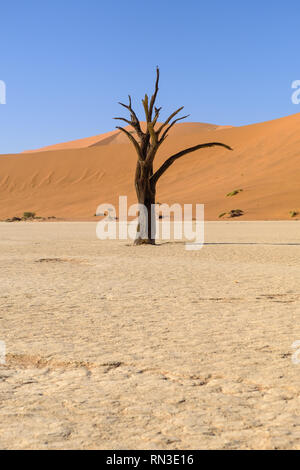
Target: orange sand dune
<point>80,143</point>
<point>117,137</point>
<point>70,180</point>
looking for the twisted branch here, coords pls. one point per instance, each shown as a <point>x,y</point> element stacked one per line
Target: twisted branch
<point>154,178</point>
<point>132,139</point>
<point>153,98</point>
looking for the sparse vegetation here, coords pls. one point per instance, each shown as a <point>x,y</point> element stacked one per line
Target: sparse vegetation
<point>28,215</point>
<point>232,213</point>
<point>236,213</point>
<point>13,219</point>
<point>294,214</point>
<point>234,193</point>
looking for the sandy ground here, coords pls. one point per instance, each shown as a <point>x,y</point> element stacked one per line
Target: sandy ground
<point>115,346</point>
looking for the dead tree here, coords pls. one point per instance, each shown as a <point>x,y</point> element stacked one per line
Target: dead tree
<point>146,144</point>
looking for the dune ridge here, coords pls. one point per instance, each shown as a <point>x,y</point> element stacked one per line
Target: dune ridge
<point>69,180</point>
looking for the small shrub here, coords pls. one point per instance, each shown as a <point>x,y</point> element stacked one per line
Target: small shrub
<point>235,213</point>
<point>294,213</point>
<point>13,219</point>
<point>232,213</point>
<point>29,215</point>
<point>234,193</point>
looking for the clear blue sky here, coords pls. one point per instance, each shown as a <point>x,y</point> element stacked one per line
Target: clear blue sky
<point>67,63</point>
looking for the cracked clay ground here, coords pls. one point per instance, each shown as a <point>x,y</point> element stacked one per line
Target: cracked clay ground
<point>120,347</point>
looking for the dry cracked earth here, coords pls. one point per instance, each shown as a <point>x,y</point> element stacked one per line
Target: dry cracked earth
<point>110,346</point>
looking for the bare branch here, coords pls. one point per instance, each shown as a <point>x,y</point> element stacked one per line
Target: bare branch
<point>153,134</point>
<point>123,119</point>
<point>169,119</point>
<point>156,116</point>
<point>129,109</point>
<point>152,152</point>
<point>153,98</point>
<point>132,139</point>
<point>135,123</point>
<point>164,135</point>
<point>146,109</point>
<point>172,159</point>
<point>154,137</point>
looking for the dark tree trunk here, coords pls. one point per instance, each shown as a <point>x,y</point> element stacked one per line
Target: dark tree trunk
<point>146,145</point>
<point>145,191</point>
